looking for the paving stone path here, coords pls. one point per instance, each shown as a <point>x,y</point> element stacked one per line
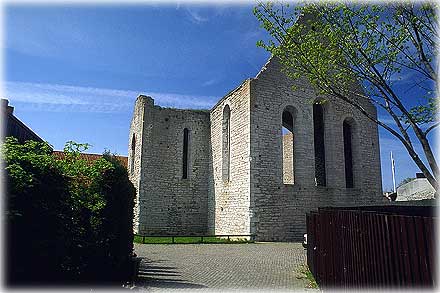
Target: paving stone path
<point>266,266</point>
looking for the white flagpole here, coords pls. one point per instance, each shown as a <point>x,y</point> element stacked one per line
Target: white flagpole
<point>393,171</point>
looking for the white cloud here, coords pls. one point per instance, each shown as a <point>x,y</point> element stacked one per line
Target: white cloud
<point>56,97</point>
<point>196,16</point>
<point>210,82</point>
<point>46,38</point>
<point>252,34</point>
<point>398,77</point>
<point>388,120</point>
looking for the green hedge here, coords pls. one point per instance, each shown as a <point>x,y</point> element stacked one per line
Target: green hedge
<point>68,221</point>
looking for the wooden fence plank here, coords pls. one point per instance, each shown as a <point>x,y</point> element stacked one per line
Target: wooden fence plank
<point>413,251</point>
<point>396,251</point>
<point>368,259</point>
<point>356,251</point>
<point>405,253</point>
<point>314,242</point>
<point>377,247</point>
<point>340,257</point>
<point>429,232</point>
<point>361,252</point>
<point>345,251</point>
<point>331,251</point>
<point>421,247</point>
<point>353,250</point>
<point>350,254</point>
<point>373,252</point>
<point>386,252</point>
<point>345,248</point>
<point>317,248</point>
<point>388,249</point>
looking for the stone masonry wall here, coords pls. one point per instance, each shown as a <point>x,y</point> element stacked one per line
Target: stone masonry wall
<point>170,204</point>
<point>278,209</point>
<point>417,189</point>
<point>134,158</point>
<point>254,200</point>
<point>229,200</point>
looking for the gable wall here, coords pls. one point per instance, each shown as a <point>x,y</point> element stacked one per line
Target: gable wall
<point>278,209</point>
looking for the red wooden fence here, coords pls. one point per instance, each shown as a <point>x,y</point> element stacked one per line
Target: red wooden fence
<point>365,247</point>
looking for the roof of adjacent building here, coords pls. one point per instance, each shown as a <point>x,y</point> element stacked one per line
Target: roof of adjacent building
<point>91,157</point>
<point>15,127</point>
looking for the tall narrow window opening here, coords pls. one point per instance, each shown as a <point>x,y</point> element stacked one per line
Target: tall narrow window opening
<point>185,153</point>
<point>133,153</point>
<point>288,147</point>
<point>226,143</point>
<point>319,145</point>
<point>348,154</point>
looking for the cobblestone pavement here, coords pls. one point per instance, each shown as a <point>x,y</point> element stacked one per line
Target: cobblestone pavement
<point>266,266</point>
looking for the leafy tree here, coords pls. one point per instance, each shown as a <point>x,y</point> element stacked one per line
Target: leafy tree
<point>359,53</point>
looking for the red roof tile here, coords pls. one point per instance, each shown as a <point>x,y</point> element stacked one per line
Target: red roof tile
<point>91,157</point>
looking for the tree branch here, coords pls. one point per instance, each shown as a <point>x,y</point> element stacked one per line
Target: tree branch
<point>431,128</point>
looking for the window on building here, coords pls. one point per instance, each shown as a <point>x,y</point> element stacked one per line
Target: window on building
<point>185,153</point>
<point>348,152</point>
<point>226,143</point>
<point>319,144</point>
<point>288,146</point>
<point>133,149</point>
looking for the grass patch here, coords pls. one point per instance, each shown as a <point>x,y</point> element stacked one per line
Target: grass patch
<point>163,240</point>
<point>187,240</point>
<point>304,273</point>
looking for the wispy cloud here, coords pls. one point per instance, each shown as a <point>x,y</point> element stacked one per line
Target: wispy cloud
<point>50,37</point>
<point>388,120</point>
<point>199,14</point>
<point>195,16</point>
<point>405,77</point>
<point>210,82</point>
<point>59,98</point>
<point>252,35</point>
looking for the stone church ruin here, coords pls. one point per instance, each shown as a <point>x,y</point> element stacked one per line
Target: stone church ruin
<point>255,163</point>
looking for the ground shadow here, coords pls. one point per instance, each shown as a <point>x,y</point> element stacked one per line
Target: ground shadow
<point>154,274</point>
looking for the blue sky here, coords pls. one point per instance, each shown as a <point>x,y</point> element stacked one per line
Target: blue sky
<point>74,72</point>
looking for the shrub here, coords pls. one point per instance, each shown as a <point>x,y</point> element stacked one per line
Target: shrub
<point>69,220</point>
<point>118,214</point>
<point>37,210</point>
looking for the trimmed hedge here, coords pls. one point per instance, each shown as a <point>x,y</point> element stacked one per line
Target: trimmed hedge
<point>67,221</point>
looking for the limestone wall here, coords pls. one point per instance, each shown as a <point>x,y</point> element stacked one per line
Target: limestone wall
<point>278,209</point>
<point>235,182</point>
<point>169,203</point>
<point>417,189</point>
<point>135,140</point>
<point>229,209</point>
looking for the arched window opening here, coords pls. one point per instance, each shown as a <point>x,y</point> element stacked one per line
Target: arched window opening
<point>226,143</point>
<point>348,153</point>
<point>185,153</point>
<point>133,149</point>
<point>319,144</point>
<point>288,147</point>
